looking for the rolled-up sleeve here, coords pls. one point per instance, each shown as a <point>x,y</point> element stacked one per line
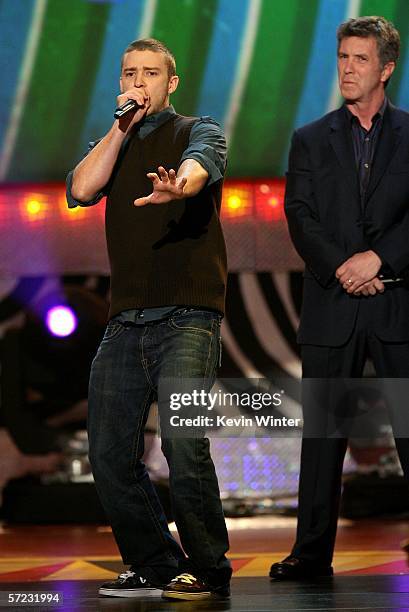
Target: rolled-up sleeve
<point>71,201</point>
<point>207,145</point>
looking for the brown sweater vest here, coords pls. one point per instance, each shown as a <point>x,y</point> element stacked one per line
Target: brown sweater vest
<point>163,254</point>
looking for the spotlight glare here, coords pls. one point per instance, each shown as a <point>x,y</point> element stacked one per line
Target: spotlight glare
<point>33,207</point>
<point>234,202</point>
<point>61,321</point>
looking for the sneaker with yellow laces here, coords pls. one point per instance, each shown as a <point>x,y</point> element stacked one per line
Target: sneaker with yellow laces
<point>189,587</point>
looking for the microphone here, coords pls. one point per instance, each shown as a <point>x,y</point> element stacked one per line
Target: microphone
<point>125,108</point>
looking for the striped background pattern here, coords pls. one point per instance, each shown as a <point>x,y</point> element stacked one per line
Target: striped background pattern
<point>260,67</point>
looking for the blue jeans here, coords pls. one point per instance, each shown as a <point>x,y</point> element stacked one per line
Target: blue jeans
<point>124,380</point>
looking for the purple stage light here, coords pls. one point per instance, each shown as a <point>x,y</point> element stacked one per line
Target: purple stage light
<point>61,321</point>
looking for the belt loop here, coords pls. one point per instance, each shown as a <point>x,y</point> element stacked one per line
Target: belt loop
<point>139,314</point>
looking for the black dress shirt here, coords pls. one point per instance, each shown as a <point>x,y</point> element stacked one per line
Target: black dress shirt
<point>365,142</point>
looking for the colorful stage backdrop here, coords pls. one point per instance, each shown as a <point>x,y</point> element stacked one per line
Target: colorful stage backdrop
<point>260,67</point>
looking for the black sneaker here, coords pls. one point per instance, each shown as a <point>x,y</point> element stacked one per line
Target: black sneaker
<point>130,584</point>
<point>189,587</point>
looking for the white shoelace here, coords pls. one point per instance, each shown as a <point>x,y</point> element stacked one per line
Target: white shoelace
<point>130,574</point>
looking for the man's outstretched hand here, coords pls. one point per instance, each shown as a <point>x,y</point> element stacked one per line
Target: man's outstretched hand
<point>166,187</point>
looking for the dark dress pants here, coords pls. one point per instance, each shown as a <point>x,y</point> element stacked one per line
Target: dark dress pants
<point>322,458</point>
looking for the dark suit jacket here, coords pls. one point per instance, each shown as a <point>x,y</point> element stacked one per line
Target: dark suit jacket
<point>328,224</point>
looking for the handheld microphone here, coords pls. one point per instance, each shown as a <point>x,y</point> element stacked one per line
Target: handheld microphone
<point>125,108</point>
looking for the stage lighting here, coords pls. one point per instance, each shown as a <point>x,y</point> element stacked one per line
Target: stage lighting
<point>46,364</point>
<point>237,202</point>
<point>34,207</point>
<point>61,321</point>
<point>269,201</point>
<point>234,202</point>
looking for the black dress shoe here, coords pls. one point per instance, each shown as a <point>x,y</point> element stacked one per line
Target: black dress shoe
<point>293,568</point>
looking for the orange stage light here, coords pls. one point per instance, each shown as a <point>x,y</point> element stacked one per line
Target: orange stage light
<point>237,201</point>
<point>260,200</point>
<point>234,202</point>
<point>34,207</point>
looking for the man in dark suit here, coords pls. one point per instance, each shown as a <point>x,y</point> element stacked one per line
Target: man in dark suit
<point>347,205</point>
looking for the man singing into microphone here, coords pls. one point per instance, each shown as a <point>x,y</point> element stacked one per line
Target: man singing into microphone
<point>162,174</point>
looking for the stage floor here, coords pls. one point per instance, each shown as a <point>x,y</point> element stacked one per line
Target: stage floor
<point>371,569</point>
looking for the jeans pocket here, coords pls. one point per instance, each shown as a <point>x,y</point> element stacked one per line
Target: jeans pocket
<point>113,330</point>
<point>200,322</point>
